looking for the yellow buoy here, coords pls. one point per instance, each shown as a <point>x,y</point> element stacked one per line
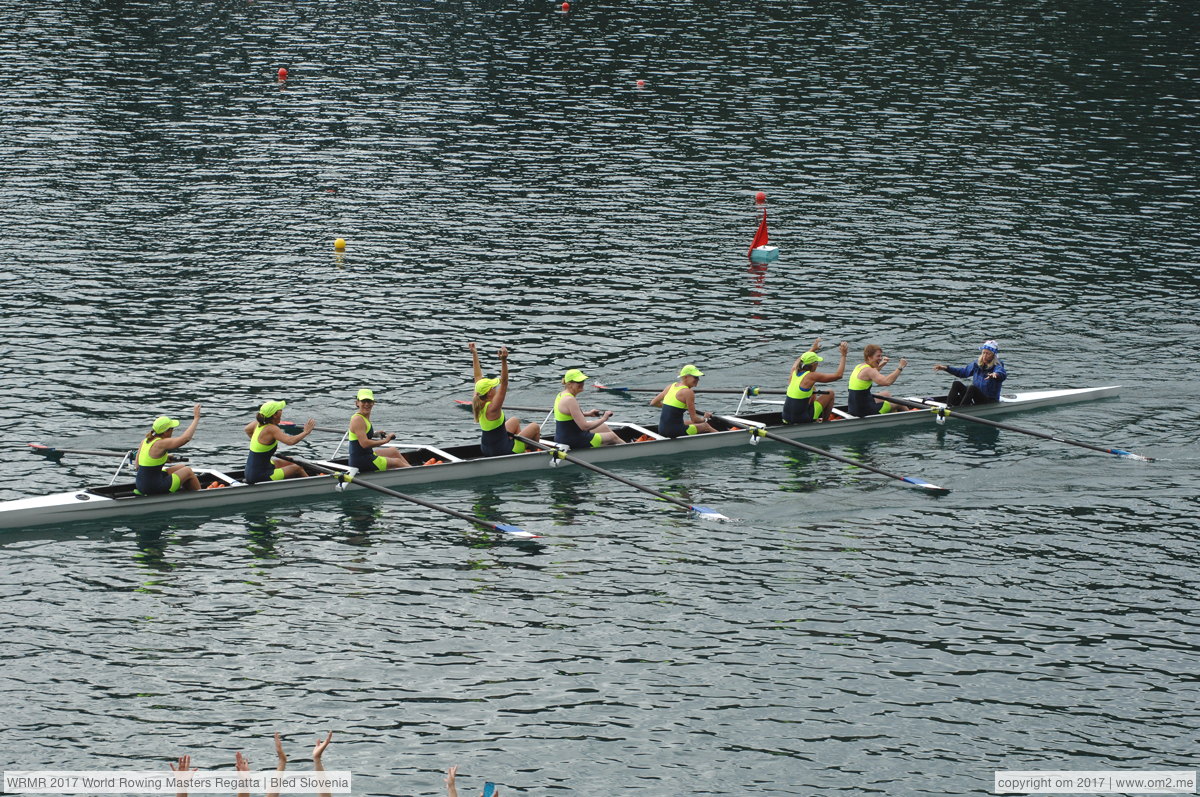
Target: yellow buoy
<point>339,244</point>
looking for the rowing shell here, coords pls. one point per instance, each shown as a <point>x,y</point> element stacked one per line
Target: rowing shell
<point>466,462</point>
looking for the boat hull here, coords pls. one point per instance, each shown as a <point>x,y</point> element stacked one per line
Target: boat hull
<point>117,503</point>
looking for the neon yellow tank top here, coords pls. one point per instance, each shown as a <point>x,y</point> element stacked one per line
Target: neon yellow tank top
<point>147,461</point>
<point>856,381</point>
<point>672,400</point>
<point>487,425</point>
<point>257,447</point>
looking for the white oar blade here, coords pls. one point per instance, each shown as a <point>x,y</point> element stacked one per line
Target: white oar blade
<point>929,487</point>
<point>514,531</point>
<point>706,513</point>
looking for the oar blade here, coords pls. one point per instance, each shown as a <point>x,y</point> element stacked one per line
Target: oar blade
<point>46,451</point>
<point>1130,455</point>
<point>708,513</point>
<point>515,531</point>
<point>928,487</point>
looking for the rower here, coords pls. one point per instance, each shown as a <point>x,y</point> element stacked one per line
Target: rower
<point>265,436</point>
<point>153,454</point>
<point>861,401</point>
<point>801,405</point>
<point>987,376</point>
<point>487,406</point>
<point>677,398</point>
<point>365,451</point>
<point>570,426</point>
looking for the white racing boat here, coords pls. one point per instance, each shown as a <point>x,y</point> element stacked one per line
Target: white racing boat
<point>457,463</point>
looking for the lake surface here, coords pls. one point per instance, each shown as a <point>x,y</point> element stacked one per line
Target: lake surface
<point>935,175</point>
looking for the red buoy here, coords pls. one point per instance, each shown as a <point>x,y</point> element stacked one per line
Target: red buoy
<point>641,83</point>
<point>283,73</point>
<point>760,197</point>
<point>566,6</point>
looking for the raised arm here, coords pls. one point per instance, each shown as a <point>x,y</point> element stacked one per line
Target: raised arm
<point>185,765</point>
<point>185,437</point>
<point>318,750</point>
<point>884,381</point>
<point>451,788</point>
<point>242,766</point>
<point>282,758</point>
<point>496,407</point>
<point>475,362</point>
<point>843,347</point>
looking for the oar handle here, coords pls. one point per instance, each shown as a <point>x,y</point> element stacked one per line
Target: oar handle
<point>752,390</point>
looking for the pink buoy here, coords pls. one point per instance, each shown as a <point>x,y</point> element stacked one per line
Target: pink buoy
<point>760,197</point>
<point>283,73</point>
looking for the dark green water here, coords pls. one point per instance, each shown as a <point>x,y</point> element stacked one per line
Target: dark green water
<point>936,175</point>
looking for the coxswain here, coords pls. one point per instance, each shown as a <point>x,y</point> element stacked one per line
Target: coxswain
<point>678,398</point>
<point>803,403</point>
<point>154,452</point>
<point>987,377</point>
<point>571,426</point>
<point>366,452</point>
<point>860,400</point>
<point>487,406</point>
<point>265,436</point>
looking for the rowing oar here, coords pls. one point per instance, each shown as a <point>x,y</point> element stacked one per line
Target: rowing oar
<point>57,453</point>
<point>943,411</point>
<point>346,478</point>
<point>703,512</point>
<point>759,431</point>
<point>749,391</point>
<point>466,405</point>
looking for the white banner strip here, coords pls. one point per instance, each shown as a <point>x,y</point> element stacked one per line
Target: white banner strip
<point>157,782</point>
<point>1104,781</point>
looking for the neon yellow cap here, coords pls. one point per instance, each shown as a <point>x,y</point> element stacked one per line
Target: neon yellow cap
<point>365,395</point>
<point>484,385</point>
<point>162,423</point>
<point>574,375</point>
<point>690,370</point>
<point>810,357</point>
<point>271,408</point>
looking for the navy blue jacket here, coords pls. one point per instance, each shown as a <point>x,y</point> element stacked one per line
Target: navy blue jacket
<point>989,387</point>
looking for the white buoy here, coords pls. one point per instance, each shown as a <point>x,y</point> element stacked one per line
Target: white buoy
<point>764,254</point>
